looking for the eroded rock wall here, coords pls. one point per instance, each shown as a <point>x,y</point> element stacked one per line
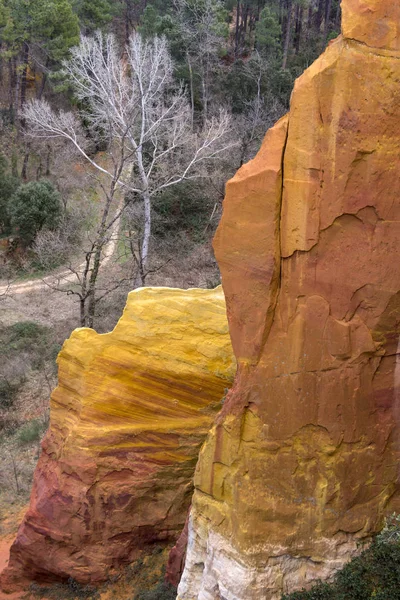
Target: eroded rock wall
<point>128,417</point>
<point>303,461</point>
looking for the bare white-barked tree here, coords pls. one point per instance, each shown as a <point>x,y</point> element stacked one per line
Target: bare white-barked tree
<point>132,104</point>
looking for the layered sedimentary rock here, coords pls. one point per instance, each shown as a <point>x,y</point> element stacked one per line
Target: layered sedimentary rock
<point>128,417</point>
<point>303,461</point>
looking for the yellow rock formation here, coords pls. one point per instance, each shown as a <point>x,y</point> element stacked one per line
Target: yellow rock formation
<point>127,420</point>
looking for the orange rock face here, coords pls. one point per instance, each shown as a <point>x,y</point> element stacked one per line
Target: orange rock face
<point>303,461</point>
<point>375,23</point>
<point>128,417</point>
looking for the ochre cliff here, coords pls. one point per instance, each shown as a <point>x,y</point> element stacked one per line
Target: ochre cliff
<point>128,417</point>
<point>303,461</point>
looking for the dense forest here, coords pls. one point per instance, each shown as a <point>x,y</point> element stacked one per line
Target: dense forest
<point>214,43</point>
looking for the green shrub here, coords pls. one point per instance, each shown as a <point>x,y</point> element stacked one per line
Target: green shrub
<point>33,206</point>
<point>186,207</point>
<point>24,336</point>
<point>30,432</point>
<point>72,590</point>
<point>81,591</point>
<point>321,591</point>
<point>163,591</point>
<point>8,392</point>
<point>8,186</point>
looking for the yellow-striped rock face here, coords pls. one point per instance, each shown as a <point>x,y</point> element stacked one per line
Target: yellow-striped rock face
<point>303,461</point>
<point>127,420</point>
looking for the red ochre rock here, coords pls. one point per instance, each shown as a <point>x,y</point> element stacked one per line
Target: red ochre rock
<point>176,559</point>
<point>128,417</point>
<point>303,461</point>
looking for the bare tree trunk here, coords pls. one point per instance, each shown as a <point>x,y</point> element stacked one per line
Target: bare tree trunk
<point>337,17</point>
<point>144,249</point>
<point>319,15</point>
<point>298,28</point>
<point>25,60</point>
<point>48,159</point>
<point>328,8</point>
<point>281,12</point>
<point>127,21</point>
<point>287,35</point>
<point>41,89</point>
<point>82,311</point>
<point>259,8</point>
<point>310,18</point>
<point>91,294</point>
<point>11,85</point>
<point>98,248</point>
<point>17,87</point>
<point>205,85</point>
<point>237,33</point>
<point>204,98</point>
<point>244,20</point>
<point>83,288</point>
<point>24,170</point>
<point>137,257</point>
<point>191,86</point>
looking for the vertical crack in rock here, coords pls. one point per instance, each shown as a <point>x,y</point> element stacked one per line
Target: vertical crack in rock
<point>271,310</point>
<point>247,247</point>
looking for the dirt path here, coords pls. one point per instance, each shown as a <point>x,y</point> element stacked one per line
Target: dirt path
<point>64,277</point>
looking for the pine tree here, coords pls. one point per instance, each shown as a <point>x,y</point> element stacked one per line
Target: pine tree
<point>268,33</point>
<point>36,34</point>
<point>93,14</point>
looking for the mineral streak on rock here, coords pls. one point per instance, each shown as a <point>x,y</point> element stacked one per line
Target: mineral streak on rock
<point>303,461</point>
<point>128,417</point>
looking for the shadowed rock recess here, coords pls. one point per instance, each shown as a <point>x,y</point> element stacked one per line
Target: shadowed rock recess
<point>128,417</point>
<point>303,461</point>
